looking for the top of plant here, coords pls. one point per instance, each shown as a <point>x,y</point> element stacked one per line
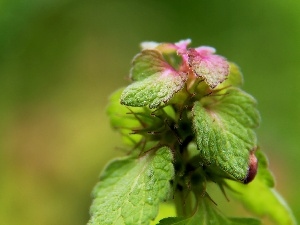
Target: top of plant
<point>163,70</point>
<point>187,123</point>
<point>223,118</point>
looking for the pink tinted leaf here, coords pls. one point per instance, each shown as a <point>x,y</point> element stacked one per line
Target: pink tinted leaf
<point>147,63</point>
<point>214,69</point>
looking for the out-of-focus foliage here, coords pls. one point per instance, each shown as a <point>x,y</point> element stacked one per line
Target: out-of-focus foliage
<point>60,60</point>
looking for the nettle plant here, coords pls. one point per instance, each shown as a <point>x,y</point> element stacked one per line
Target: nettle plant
<point>187,124</point>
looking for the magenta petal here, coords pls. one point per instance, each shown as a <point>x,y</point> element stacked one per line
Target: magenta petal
<point>182,45</point>
<point>181,48</point>
<point>205,50</point>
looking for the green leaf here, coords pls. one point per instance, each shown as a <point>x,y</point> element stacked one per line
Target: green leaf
<point>261,198</point>
<point>207,214</point>
<point>130,190</point>
<point>122,120</point>
<point>153,91</point>
<point>235,77</point>
<point>155,81</point>
<point>171,220</point>
<point>147,63</point>
<point>224,131</point>
<point>134,123</point>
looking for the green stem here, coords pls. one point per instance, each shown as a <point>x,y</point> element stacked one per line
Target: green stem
<point>183,203</point>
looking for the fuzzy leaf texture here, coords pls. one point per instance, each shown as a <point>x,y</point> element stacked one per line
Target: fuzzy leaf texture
<point>207,214</point>
<point>155,81</point>
<point>224,131</point>
<point>212,68</point>
<point>261,198</point>
<point>130,190</point>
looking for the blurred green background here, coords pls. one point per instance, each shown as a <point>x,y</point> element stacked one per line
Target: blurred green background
<point>61,59</point>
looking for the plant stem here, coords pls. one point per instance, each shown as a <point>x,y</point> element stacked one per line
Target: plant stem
<point>183,202</point>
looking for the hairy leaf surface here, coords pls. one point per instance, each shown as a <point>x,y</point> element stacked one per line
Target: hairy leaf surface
<point>212,68</point>
<point>224,131</point>
<point>130,190</point>
<point>153,91</point>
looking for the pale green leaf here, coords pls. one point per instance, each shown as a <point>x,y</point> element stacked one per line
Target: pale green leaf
<point>121,120</point>
<point>207,214</point>
<point>153,91</point>
<point>126,119</point>
<point>130,190</point>
<point>133,122</point>
<point>224,131</point>
<point>261,198</point>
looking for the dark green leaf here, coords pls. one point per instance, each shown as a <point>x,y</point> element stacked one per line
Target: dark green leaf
<point>224,131</point>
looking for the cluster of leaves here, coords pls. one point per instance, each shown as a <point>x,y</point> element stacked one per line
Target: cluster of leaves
<point>186,123</point>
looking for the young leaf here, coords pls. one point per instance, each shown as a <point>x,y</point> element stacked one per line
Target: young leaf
<point>130,190</point>
<point>147,63</point>
<point>224,131</point>
<point>261,198</point>
<point>153,91</point>
<point>207,214</point>
<point>212,68</point>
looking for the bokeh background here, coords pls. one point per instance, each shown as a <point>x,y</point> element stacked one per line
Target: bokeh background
<point>61,59</point>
